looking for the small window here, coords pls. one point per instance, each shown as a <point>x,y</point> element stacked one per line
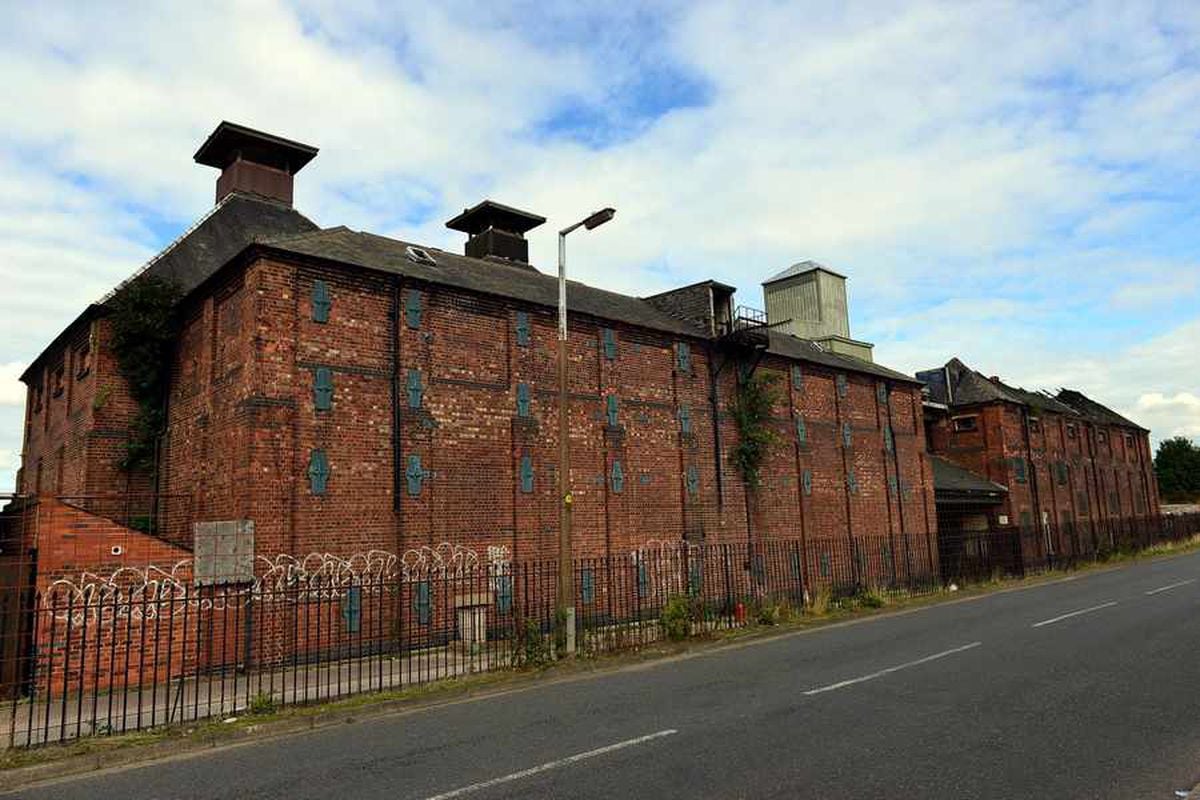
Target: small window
<point>1129,441</point>
<point>523,400</point>
<point>321,302</point>
<point>83,360</point>
<point>801,430</point>
<point>618,477</point>
<point>685,420</point>
<point>58,381</point>
<point>692,480</point>
<point>526,473</point>
<point>318,472</point>
<point>1102,436</point>
<point>423,602</point>
<point>419,255</point>
<point>323,389</point>
<point>415,390</point>
<point>1020,473</point>
<point>965,424</point>
<point>852,481</point>
<point>612,410</point>
<point>1071,432</point>
<point>522,328</point>
<point>609,339</point>
<point>1035,425</point>
<point>683,358</point>
<point>797,377</point>
<point>843,385</point>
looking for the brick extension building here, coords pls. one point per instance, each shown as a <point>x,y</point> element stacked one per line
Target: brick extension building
<point>1074,470</point>
<point>349,393</point>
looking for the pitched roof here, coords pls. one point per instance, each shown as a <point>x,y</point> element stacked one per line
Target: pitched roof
<point>519,282</point>
<point>218,236</point>
<point>1096,412</point>
<point>968,386</point>
<point>951,479</point>
<point>800,268</point>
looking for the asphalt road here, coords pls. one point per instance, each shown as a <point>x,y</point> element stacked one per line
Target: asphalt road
<point>1088,688</point>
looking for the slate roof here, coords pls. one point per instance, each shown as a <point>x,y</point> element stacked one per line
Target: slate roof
<point>950,478</point>
<point>968,386</point>
<point>519,282</point>
<point>1090,409</point>
<point>799,268</point>
<point>237,221</point>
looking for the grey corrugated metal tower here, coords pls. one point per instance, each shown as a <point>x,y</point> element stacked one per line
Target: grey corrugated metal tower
<point>808,300</point>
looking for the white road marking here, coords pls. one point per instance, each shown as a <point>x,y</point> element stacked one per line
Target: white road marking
<point>1052,620</point>
<point>890,670</point>
<point>1170,586</point>
<point>549,765</point>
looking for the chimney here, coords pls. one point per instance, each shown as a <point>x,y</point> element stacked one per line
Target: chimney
<point>253,162</point>
<point>496,230</point>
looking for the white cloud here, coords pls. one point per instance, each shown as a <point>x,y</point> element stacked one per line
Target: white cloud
<point>12,391</point>
<point>973,167</point>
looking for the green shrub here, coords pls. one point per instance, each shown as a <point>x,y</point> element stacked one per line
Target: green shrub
<point>676,618</point>
<point>871,598</point>
<point>534,650</point>
<point>261,703</point>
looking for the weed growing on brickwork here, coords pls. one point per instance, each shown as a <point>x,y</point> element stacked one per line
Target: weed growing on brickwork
<point>143,331</point>
<point>752,414</point>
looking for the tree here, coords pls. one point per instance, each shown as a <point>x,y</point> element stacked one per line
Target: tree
<point>1177,467</point>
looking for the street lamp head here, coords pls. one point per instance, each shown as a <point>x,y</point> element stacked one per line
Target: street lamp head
<point>599,218</point>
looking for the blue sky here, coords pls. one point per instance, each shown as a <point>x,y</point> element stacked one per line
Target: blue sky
<point>1012,183</point>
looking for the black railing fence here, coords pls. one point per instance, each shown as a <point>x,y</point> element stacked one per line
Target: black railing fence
<point>137,649</point>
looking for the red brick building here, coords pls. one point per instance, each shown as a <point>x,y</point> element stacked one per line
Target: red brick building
<point>348,394</point>
<point>1077,473</point>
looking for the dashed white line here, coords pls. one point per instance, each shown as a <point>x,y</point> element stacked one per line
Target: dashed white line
<point>549,765</point>
<point>1170,586</point>
<point>1061,617</point>
<point>890,670</point>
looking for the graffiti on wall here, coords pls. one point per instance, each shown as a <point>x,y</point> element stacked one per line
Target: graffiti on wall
<point>142,592</point>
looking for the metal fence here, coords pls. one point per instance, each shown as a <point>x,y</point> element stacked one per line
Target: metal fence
<point>110,657</point>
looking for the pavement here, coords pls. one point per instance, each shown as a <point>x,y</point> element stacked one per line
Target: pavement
<point>1083,688</point>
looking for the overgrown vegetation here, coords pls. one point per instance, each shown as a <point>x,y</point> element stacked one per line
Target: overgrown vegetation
<point>143,330</point>
<point>752,414</point>
<point>676,618</point>
<point>1177,467</point>
<point>261,704</point>
<point>534,647</point>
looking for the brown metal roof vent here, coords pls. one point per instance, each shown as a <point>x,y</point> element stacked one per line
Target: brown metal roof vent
<point>496,230</point>
<point>253,162</point>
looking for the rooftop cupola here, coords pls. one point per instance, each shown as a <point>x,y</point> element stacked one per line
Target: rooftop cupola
<point>253,162</point>
<point>808,300</point>
<point>496,230</point>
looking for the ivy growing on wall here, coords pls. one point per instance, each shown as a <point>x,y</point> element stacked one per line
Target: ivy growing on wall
<point>143,330</point>
<point>752,415</point>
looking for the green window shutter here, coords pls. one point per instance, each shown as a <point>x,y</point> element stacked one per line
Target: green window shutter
<point>797,377</point>
<point>881,393</point>
<point>801,430</point>
<point>843,385</point>
<point>1019,472</point>
<point>893,484</point>
<point>504,593</point>
<point>618,477</point>
<point>695,578</point>
<point>806,481</point>
<point>852,481</point>
<point>522,399</point>
<point>612,410</point>
<point>415,390</point>
<point>412,308</point>
<point>587,585</point>
<point>352,609</point>
<point>683,357</point>
<point>321,301</point>
<point>522,328</point>
<point>643,579</point>
<point>610,343</point>
<point>526,473</point>
<point>825,565</point>
<point>692,480</point>
<point>685,420</point>
<point>423,602</point>
<point>318,471</point>
<point>847,435</point>
<point>797,565</point>
<point>414,475</point>
<point>323,388</point>
<point>889,439</point>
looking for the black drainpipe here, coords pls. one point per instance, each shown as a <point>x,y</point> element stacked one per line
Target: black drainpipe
<point>394,352</point>
<point>713,374</point>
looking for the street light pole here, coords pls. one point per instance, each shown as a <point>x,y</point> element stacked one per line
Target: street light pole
<point>566,572</point>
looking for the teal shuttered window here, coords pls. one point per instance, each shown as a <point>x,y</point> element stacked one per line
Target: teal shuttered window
<point>414,475</point>
<point>318,471</point>
<point>412,308</point>
<point>323,388</point>
<point>415,390</point>
<point>522,328</point>
<point>618,477</point>
<point>523,400</point>
<point>609,337</point>
<point>321,302</point>
<point>526,473</point>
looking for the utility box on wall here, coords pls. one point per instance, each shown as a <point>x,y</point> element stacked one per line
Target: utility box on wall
<point>223,551</point>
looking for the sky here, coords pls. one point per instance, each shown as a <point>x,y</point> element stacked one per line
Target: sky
<point>1015,184</point>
